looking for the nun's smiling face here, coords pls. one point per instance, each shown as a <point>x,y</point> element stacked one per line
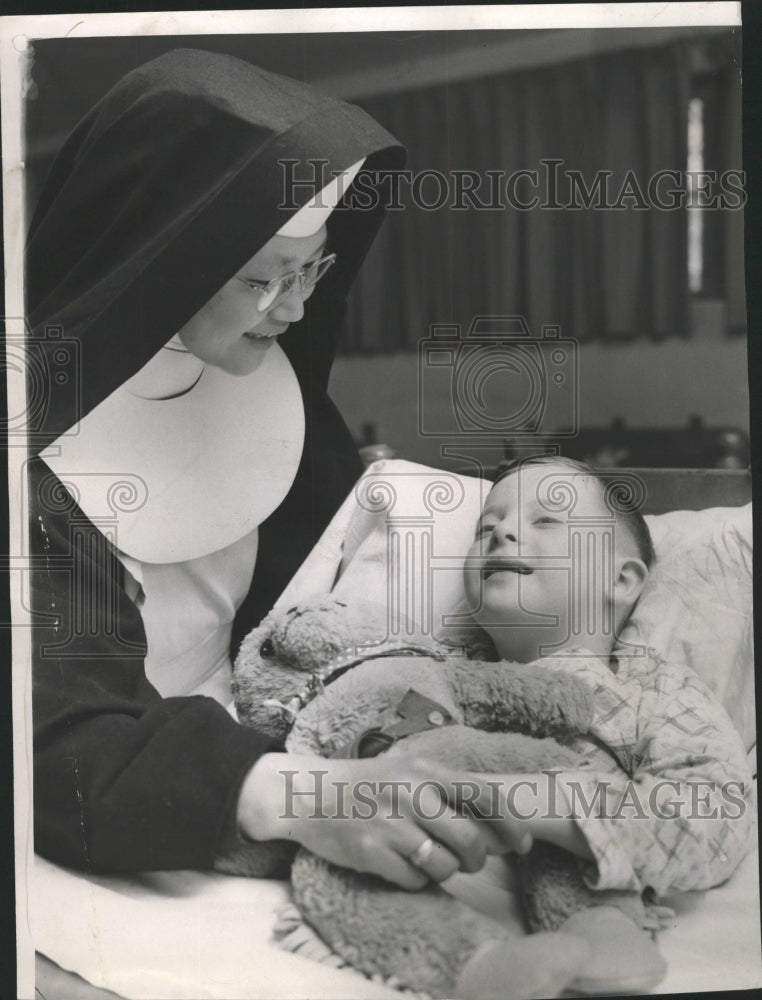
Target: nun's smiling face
<point>232,331</point>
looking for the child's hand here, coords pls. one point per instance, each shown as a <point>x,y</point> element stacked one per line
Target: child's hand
<point>509,835</point>
<point>485,797</point>
<point>517,811</point>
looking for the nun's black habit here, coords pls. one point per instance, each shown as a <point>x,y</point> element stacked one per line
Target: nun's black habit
<point>162,193</point>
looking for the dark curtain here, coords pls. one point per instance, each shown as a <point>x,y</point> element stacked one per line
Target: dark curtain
<point>597,273</point>
<point>729,156</point>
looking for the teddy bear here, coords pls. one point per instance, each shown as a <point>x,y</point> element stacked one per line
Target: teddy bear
<point>324,676</point>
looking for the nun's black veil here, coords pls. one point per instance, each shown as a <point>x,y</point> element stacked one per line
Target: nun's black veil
<point>165,190</point>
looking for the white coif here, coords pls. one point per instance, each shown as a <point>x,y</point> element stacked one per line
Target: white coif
<point>174,479</point>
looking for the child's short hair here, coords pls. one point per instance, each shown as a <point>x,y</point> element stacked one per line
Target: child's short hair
<point>627,516</point>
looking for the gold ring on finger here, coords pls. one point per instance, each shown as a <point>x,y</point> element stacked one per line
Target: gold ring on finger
<point>422,853</point>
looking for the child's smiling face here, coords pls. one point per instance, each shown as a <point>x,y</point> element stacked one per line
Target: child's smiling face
<point>524,568</point>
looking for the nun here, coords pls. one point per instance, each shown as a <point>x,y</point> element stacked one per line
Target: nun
<point>187,267</point>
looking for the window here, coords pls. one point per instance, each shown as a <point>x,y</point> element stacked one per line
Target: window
<point>696,195</point>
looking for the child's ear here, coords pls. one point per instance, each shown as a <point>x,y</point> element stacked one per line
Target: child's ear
<point>630,580</point>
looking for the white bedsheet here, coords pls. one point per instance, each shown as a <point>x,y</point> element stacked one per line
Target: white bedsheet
<point>179,936</point>
<point>187,935</point>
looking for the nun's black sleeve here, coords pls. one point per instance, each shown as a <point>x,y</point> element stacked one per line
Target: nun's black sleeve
<point>124,780</point>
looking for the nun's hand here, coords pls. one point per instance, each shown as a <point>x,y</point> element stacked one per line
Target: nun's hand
<point>380,815</point>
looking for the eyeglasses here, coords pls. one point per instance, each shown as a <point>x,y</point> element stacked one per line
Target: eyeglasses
<point>270,293</point>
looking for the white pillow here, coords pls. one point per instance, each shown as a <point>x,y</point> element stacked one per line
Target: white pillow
<point>413,506</point>
<point>696,607</point>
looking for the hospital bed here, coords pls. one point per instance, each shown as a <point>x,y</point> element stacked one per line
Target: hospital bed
<point>179,935</point>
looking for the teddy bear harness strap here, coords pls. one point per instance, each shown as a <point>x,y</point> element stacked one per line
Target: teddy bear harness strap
<point>318,679</point>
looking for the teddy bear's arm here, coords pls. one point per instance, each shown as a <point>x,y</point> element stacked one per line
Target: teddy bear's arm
<point>528,697</point>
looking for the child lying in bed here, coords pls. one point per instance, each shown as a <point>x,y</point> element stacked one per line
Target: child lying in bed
<point>554,567</point>
<point>662,799</point>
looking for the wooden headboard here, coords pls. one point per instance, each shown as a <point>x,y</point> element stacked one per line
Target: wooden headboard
<point>666,489</point>
<point>677,489</point>
<point>693,489</point>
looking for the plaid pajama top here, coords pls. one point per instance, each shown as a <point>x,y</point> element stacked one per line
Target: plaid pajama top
<point>665,794</point>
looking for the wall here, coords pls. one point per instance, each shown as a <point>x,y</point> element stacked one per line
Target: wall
<point>647,384</point>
